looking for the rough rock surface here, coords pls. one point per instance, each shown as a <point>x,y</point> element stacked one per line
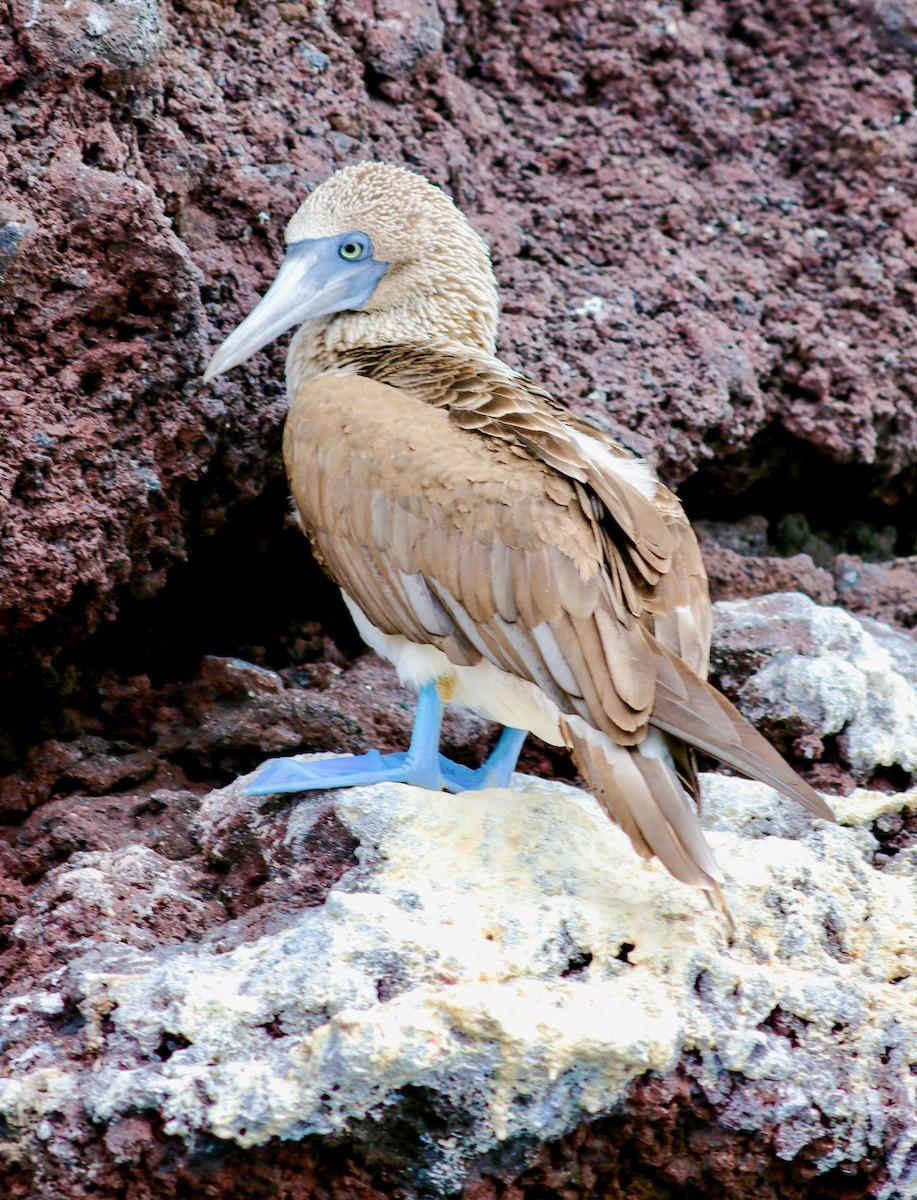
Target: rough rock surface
<point>805,673</point>
<point>744,559</point>
<point>131,909</point>
<point>702,217</point>
<point>468,959</point>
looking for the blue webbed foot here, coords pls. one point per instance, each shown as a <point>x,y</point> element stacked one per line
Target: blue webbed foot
<point>497,771</point>
<point>422,765</point>
<point>294,775</point>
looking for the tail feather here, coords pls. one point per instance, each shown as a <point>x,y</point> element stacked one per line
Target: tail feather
<point>603,773</point>
<point>681,819</point>
<point>650,790</point>
<point>689,708</point>
<point>643,795</point>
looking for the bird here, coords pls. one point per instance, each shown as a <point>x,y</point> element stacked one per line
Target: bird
<point>505,554</point>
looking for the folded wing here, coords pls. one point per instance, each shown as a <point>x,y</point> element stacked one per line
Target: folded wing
<point>491,538</point>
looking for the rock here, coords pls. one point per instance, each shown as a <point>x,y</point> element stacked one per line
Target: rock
<point>15,229</point>
<point>118,37</point>
<point>885,590</point>
<point>197,734</point>
<point>705,249</point>
<point>244,712</point>
<point>75,463</point>
<point>725,284</point>
<point>400,36</point>
<point>735,576</point>
<point>806,673</point>
<point>895,22</point>
<point>901,647</point>
<point>471,956</point>
<point>747,537</point>
<point>743,562</point>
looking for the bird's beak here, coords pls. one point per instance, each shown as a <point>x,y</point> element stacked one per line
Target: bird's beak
<point>313,281</point>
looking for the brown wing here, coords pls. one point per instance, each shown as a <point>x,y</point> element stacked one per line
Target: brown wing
<point>655,568</point>
<point>462,543</point>
<point>465,542</point>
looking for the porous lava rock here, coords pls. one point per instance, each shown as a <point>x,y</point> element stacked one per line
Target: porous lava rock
<point>190,978</point>
<point>809,674</point>
<point>428,982</point>
<point>702,218</point>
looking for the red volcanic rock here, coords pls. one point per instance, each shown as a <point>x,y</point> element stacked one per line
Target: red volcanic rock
<point>701,224</point>
<point>741,563</point>
<point>886,591</point>
<point>178,1025</point>
<point>78,38</point>
<point>734,576</point>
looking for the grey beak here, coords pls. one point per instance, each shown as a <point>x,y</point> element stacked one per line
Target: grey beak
<point>313,281</point>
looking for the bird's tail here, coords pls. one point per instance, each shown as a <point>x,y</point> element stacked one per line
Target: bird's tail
<point>690,710</point>
<point>640,788</point>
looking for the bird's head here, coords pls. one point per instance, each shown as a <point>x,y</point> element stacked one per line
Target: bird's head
<point>375,255</point>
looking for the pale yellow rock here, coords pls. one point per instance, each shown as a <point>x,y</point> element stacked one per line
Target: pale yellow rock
<point>534,968</point>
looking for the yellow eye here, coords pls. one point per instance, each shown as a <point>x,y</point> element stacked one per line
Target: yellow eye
<point>351,250</point>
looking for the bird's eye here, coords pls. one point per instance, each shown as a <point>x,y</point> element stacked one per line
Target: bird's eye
<point>353,247</point>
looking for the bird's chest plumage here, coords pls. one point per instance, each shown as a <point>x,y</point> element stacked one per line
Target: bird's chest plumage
<point>353,447</point>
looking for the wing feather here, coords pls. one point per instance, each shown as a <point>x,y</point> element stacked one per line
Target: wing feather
<point>554,660</point>
<point>501,580</point>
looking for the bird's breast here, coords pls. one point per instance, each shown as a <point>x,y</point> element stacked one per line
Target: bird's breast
<point>348,437</point>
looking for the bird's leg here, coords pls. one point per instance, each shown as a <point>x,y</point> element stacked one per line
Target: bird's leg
<point>496,771</point>
<point>421,765</point>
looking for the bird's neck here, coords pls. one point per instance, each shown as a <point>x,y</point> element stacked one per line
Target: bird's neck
<point>321,345</point>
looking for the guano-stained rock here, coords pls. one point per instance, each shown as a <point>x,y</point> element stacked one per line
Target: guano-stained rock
<point>809,672</point>
<point>507,954</point>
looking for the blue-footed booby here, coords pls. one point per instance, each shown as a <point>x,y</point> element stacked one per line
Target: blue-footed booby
<point>504,554</point>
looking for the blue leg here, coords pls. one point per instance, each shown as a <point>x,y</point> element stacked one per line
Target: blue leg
<point>421,765</point>
<point>497,771</point>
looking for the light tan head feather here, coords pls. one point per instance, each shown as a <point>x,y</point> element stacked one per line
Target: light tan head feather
<point>439,285</point>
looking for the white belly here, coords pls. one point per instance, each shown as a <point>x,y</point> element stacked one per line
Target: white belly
<point>483,688</point>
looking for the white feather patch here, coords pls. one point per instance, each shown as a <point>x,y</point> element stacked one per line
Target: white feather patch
<point>508,700</point>
<point>416,665</point>
<point>654,745</point>
<point>635,471</point>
